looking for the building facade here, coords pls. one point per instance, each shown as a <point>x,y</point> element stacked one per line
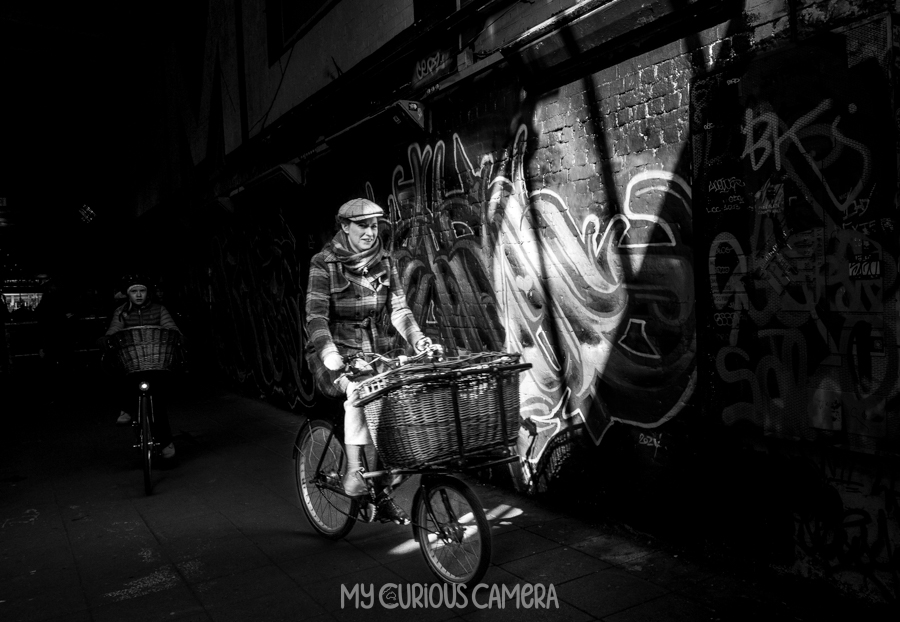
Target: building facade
<point>682,213</point>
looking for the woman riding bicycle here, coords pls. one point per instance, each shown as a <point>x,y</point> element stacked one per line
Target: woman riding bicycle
<point>353,284</point>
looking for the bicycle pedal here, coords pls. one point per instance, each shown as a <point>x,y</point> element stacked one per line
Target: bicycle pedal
<point>368,512</point>
<point>332,478</point>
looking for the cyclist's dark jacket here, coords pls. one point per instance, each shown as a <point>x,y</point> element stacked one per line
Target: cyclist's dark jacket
<point>148,314</point>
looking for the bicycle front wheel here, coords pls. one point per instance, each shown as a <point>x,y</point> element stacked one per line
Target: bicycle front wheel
<point>452,530</point>
<point>319,467</point>
<point>146,410</point>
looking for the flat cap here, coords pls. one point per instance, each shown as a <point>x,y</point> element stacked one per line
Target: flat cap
<point>360,209</point>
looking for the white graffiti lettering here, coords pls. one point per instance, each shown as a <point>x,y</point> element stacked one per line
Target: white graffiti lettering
<point>646,439</point>
<point>716,209</point>
<point>726,184</point>
<point>770,142</point>
<point>726,319</point>
<point>430,65</point>
<point>865,268</point>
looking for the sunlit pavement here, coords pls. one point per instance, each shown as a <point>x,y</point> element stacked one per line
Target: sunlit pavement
<point>223,537</point>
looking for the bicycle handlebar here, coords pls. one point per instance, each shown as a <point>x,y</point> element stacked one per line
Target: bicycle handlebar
<point>360,364</point>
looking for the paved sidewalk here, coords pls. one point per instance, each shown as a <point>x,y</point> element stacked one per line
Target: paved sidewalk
<point>223,538</point>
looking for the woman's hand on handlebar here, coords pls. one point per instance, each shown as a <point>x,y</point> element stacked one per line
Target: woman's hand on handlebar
<point>423,344</point>
<point>430,349</point>
<point>358,365</point>
<point>353,366</point>
<point>425,349</point>
<point>334,361</point>
<point>361,364</point>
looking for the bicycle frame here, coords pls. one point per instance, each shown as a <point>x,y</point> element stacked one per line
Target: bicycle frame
<point>448,520</point>
<point>447,467</point>
<point>143,427</point>
<point>145,394</point>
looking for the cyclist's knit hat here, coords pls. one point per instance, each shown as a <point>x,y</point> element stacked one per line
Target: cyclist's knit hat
<point>360,209</point>
<point>133,280</point>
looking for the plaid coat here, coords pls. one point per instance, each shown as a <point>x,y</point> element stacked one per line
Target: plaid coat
<point>345,312</point>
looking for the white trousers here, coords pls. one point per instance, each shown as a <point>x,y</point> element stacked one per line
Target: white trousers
<point>356,432</point>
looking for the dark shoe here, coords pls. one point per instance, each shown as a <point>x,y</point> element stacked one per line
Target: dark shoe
<point>124,418</point>
<point>389,511</point>
<point>168,452</point>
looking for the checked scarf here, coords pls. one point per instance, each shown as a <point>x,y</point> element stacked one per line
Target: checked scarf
<point>358,263</point>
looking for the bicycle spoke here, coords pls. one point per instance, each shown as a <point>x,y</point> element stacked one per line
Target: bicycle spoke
<point>465,549</point>
<point>319,460</point>
<point>453,531</point>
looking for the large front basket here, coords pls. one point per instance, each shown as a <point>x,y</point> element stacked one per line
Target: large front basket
<point>146,348</point>
<point>433,413</point>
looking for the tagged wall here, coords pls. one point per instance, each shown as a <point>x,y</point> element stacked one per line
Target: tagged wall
<point>695,244</point>
<point>245,278</point>
<point>797,177</point>
<point>795,174</point>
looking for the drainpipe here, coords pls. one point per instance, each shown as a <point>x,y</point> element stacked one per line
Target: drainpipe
<point>242,77</point>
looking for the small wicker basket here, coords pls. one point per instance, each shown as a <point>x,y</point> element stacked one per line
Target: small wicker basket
<point>146,348</point>
<point>453,409</point>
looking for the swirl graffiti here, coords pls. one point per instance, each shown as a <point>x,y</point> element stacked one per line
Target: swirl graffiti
<point>602,309</point>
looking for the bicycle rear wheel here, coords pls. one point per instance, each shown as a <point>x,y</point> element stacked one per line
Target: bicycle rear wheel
<point>319,467</point>
<point>452,530</point>
<point>146,410</point>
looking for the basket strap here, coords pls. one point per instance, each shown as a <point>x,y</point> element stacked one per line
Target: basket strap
<point>454,397</point>
<point>499,377</point>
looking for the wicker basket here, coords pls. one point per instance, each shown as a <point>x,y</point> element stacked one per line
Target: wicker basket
<point>146,348</point>
<point>435,413</point>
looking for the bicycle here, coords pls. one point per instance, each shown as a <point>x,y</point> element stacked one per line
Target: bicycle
<point>433,419</point>
<point>141,352</point>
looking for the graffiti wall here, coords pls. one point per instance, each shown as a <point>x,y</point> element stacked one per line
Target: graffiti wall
<point>796,176</point>
<point>795,187</point>
<point>599,303</point>
<point>692,245</point>
<point>248,299</point>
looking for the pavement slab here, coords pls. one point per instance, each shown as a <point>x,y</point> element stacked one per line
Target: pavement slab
<point>173,603</point>
<point>291,605</point>
<point>556,566</point>
<point>667,608</point>
<point>608,591</point>
<point>516,544</point>
<point>244,585</point>
<point>339,559</point>
<point>199,561</point>
<point>58,604</point>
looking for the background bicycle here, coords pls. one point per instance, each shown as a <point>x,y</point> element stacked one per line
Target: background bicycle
<point>146,354</point>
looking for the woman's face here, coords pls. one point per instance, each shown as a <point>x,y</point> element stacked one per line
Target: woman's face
<point>137,294</point>
<point>362,234</point>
